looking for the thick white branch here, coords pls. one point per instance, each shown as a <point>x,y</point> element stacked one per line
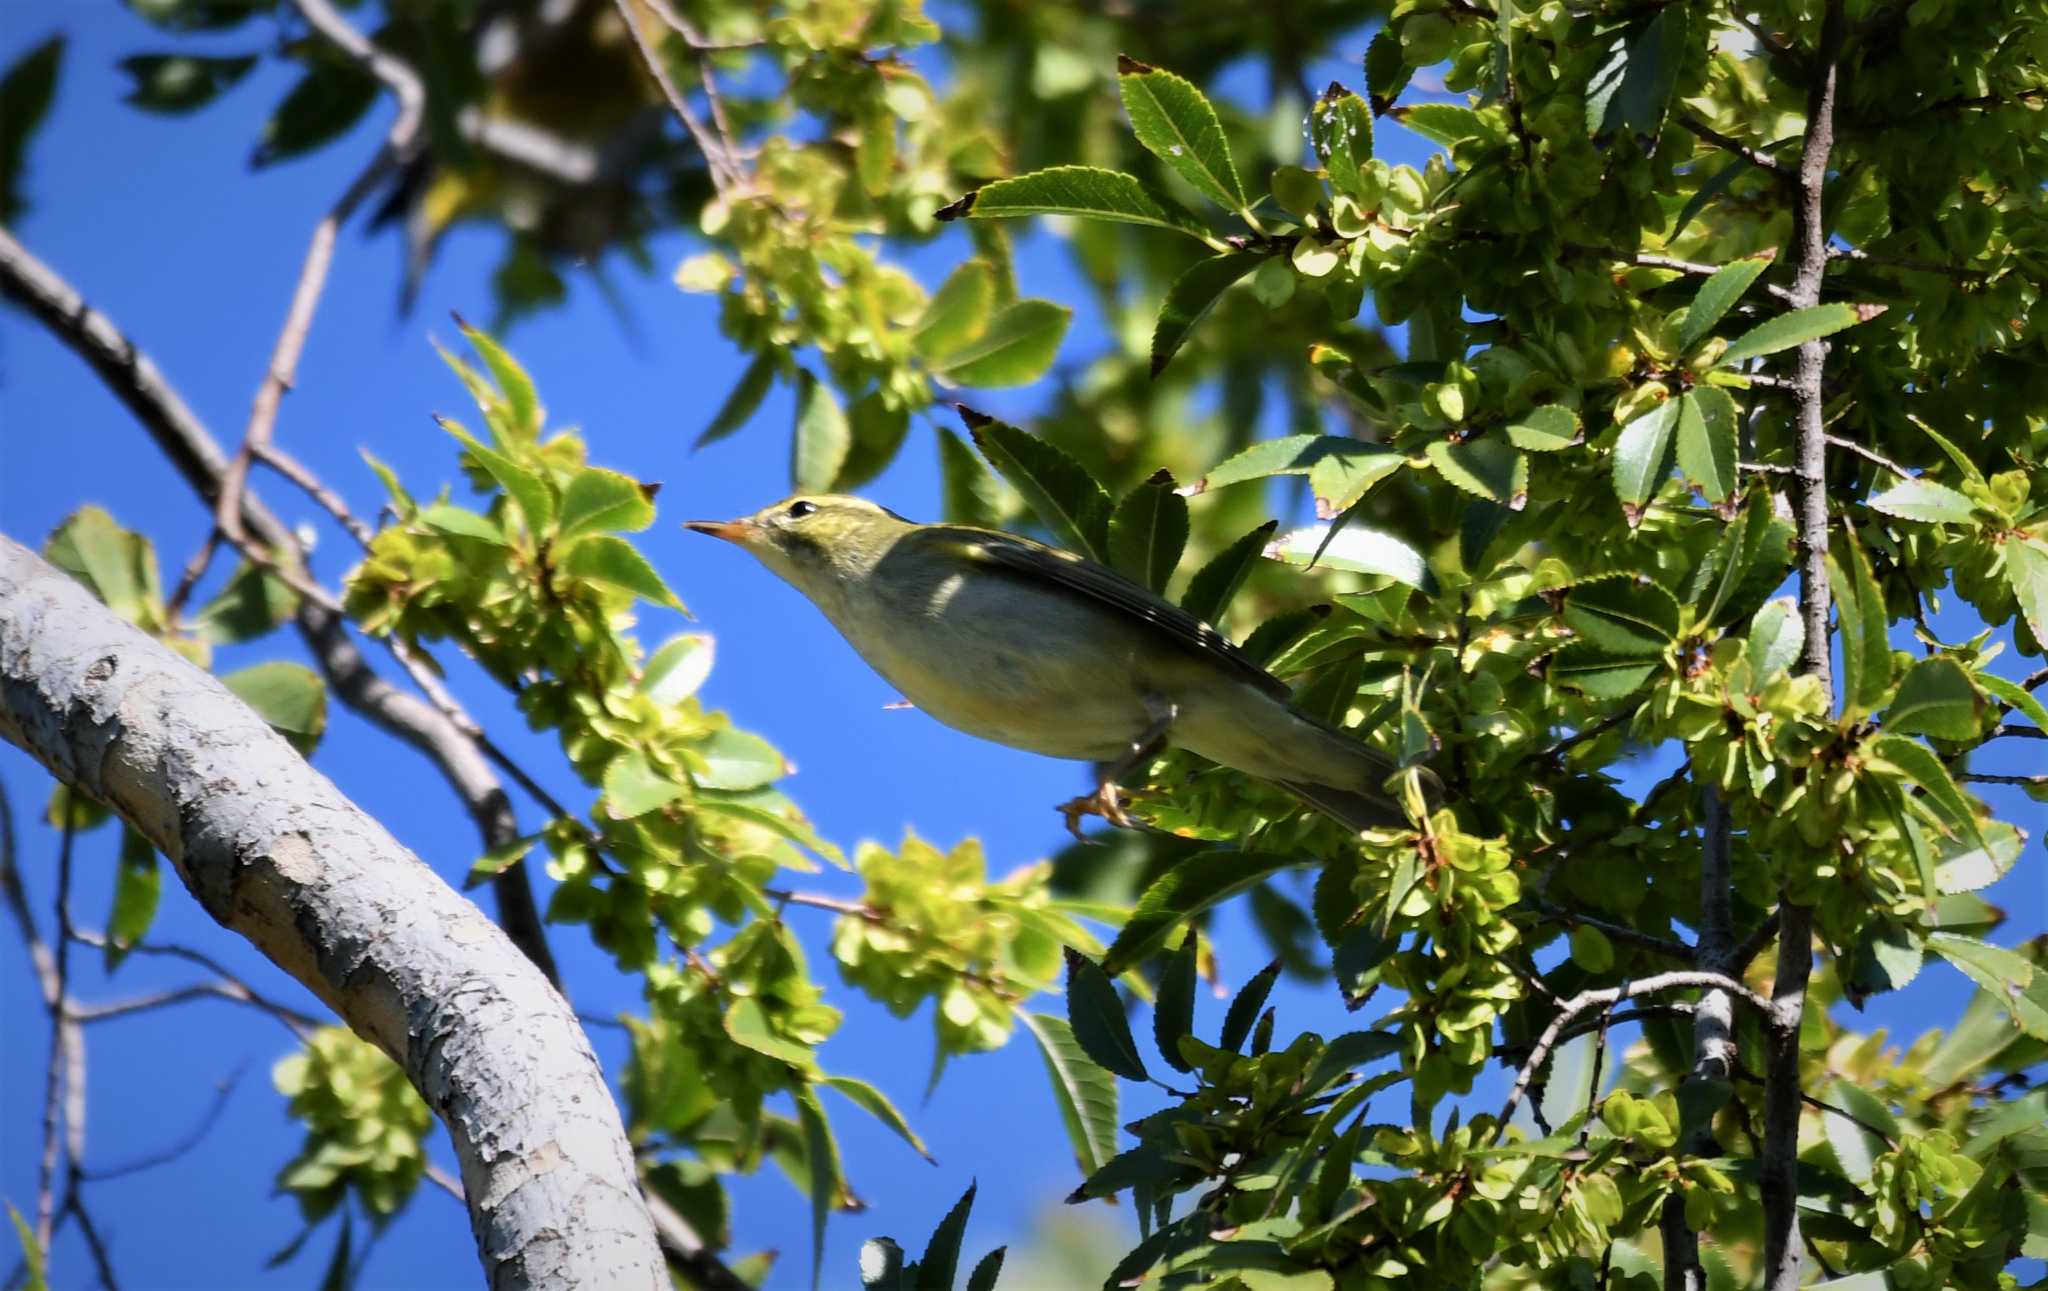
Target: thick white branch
<point>274,852</point>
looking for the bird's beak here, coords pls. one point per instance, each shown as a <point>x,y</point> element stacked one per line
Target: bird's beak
<point>731,530</point>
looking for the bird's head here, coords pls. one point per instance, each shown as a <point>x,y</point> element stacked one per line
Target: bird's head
<point>818,542</point>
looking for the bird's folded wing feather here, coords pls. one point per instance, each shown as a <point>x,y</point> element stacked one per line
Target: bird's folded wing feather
<point>1064,569</point>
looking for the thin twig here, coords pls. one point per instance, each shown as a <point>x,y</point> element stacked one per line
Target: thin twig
<point>299,1024</point>
<point>1906,263</point>
<point>1615,931</point>
<point>1985,777</point>
<point>723,170</point>
<point>195,569</point>
<point>1753,945</point>
<point>331,502</point>
<point>1754,156</point>
<point>185,1143</point>
<point>1869,455</point>
<point>2006,730</point>
<point>74,1204</point>
<point>61,1038</point>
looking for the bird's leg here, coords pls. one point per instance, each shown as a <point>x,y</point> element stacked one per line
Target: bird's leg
<point>1107,800</point>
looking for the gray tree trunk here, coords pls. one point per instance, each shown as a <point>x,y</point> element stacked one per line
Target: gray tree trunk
<point>274,852</point>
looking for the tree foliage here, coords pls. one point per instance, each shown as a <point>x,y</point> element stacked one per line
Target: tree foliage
<point>1680,339</point>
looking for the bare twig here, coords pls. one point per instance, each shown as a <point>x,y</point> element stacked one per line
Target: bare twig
<point>299,1024</point>
<point>1985,777</point>
<point>1869,455</point>
<point>1906,263</point>
<point>1713,1026</point>
<point>1754,156</point>
<point>1615,931</point>
<point>62,1037</point>
<point>331,502</point>
<point>1539,1053</point>
<point>195,569</point>
<point>1753,945</point>
<point>725,172</point>
<point>2005,730</point>
<point>188,1141</point>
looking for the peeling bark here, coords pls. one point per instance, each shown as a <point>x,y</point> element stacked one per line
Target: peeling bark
<point>275,852</point>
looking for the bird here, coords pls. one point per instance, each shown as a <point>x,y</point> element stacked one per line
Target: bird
<point>1041,649</point>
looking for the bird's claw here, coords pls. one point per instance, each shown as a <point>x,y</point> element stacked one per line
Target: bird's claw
<point>1106,802</point>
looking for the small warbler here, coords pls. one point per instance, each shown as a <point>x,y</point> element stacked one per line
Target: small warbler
<point>1044,650</point>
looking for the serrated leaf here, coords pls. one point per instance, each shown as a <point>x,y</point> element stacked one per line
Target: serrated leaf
<point>1084,191</point>
<point>1345,472</point>
<point>1628,618</point>
<point>1015,349</point>
<point>1485,468</point>
<point>1964,866</point>
<point>1544,430</point>
<point>1918,764</point>
<point>1356,548</point>
<point>1176,123</point>
<point>1173,1012</point>
<point>1716,296</point>
<point>1441,123</point>
<point>1788,330</point>
<point>958,311</point>
<point>1096,1013</point>
<point>1190,298</point>
<point>986,1271</point>
<point>2016,696</point>
<point>1926,501</point>
<point>741,404</point>
<point>675,671</point>
<point>1642,453</point>
<point>1214,584</point>
<point>1244,1010</point>
<point>605,558</point>
<point>1386,71</point>
<point>526,489</point>
<point>180,83</point>
<point>1148,531</point>
<point>877,429</point>
<point>736,760</point>
<point>1707,422</point>
<point>2026,571</point>
<point>1191,886</point>
<point>1596,674</point>
<point>1056,487</point>
<point>972,495</point>
<point>1863,623</point>
<point>941,1259</point>
<point>876,1104</point>
<point>1632,90</point>
<point>823,438</point>
<point>1084,1092</point>
<point>1776,636</point>
<point>2009,978</point>
<point>1340,130</point>
<point>1935,698</point>
<point>289,696</point>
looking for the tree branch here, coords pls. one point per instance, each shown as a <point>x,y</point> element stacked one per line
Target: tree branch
<point>273,851</point>
<point>1713,1026</point>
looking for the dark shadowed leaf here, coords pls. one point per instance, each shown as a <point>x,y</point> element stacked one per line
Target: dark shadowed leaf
<point>1055,486</point>
<point>25,94</point>
<point>741,404</point>
<point>1190,298</point>
<point>1190,887</point>
<point>1244,1010</point>
<point>1214,584</point>
<point>1173,1012</point>
<point>1148,530</point>
<point>137,885</point>
<point>289,696</point>
<point>1096,1013</point>
<point>941,1259</point>
<point>1642,454</point>
<point>328,100</point>
<point>178,83</point>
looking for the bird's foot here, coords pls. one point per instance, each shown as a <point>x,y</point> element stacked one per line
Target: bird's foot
<point>1106,802</point>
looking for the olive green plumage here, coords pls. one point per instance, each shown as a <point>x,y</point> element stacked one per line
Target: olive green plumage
<point>1044,650</point>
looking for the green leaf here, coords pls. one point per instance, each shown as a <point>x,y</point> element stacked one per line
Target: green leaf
<point>461,522</point>
<point>1591,950</point>
<point>1244,1010</point>
<point>748,1025</point>
<point>138,884</point>
<point>736,760</point>
<point>1441,123</point>
<point>1642,454</point>
<point>1356,548</point>
<point>1056,487</point>
<point>878,430</point>
<point>1918,764</point>
<point>1776,637</point>
<point>1935,698</point>
<point>958,311</point>
<point>25,94</point>
<point>527,490</point>
<point>252,604</point>
<point>1175,123</point>
<point>972,495</point>
<point>603,558</point>
<point>499,859</point>
<point>1214,584</point>
<point>1596,674</point>
<point>678,668</point>
<point>1788,330</point>
<point>821,1153</point>
<point>1173,1012</point>
<point>1632,91</point>
<point>1863,622</point>
<point>941,1259</point>
<point>1291,455</point>
<point>2007,977</point>
<point>117,565</point>
<point>876,1104</point>
<point>2016,696</point>
<point>2026,569</point>
<point>1084,191</point>
<point>1189,299</point>
<point>1340,131</point>
<point>180,83</point>
<point>289,696</point>
<point>823,438</point>
<point>1346,470</point>
<point>740,405</point>
<point>1716,296</point>
<point>1148,532</point>
<point>1485,468</point>
<point>522,417</point>
<point>1544,430</point>
<point>633,787</point>
<point>1963,866</point>
<point>32,1256</point>
<point>1706,441</point>
<point>1191,886</point>
<point>325,105</point>
<point>1924,500</point>
<point>1017,347</point>
<point>985,1273</point>
<point>1084,1092</point>
<point>1630,617</point>
<point>1096,1012</point>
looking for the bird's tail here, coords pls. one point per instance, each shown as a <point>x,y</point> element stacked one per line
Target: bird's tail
<point>1366,799</point>
<point>1352,809</point>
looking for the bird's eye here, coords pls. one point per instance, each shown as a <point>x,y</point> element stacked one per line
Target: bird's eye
<point>799,509</point>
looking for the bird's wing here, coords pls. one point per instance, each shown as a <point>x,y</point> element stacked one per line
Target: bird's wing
<point>1035,560</point>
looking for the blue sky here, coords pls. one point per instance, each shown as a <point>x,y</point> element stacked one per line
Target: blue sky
<point>159,223</point>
